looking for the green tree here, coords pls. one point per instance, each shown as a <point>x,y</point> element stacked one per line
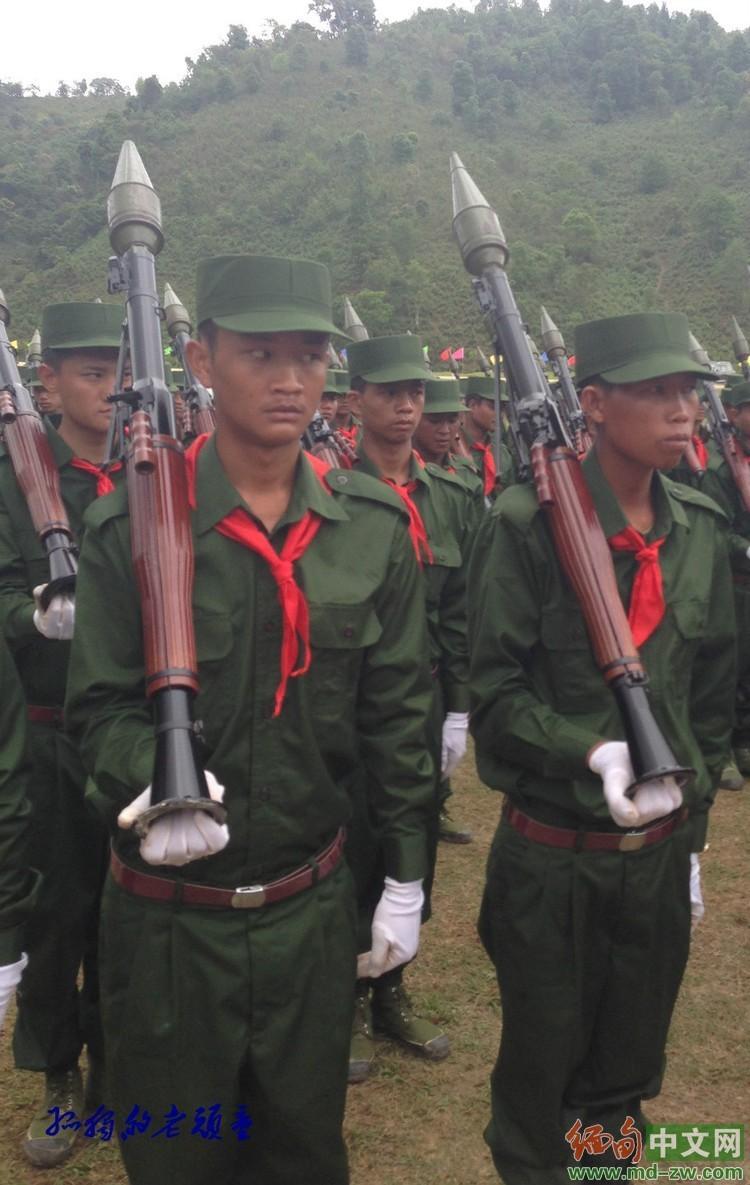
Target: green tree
<point>237,37</point>
<point>716,219</point>
<point>424,86</point>
<point>604,104</point>
<point>464,86</point>
<point>654,174</point>
<point>356,48</point>
<point>404,147</point>
<point>580,235</point>
<point>342,15</point>
<point>511,97</point>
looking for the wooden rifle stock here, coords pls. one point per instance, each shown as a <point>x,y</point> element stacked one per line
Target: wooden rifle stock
<point>692,461</point>
<point>38,477</point>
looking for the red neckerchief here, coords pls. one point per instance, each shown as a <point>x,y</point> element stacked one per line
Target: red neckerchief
<point>417,529</point>
<point>701,452</point>
<point>104,483</point>
<point>647,598</point>
<point>489,469</point>
<point>239,527</point>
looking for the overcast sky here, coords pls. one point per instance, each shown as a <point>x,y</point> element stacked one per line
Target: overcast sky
<point>90,39</point>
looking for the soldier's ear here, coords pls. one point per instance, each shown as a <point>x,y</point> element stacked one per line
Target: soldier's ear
<point>731,413</point>
<point>593,399</point>
<point>50,378</point>
<point>198,353</point>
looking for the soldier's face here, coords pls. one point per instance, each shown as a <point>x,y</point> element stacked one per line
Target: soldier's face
<point>46,402</point>
<point>266,386</point>
<point>328,406</point>
<point>740,417</point>
<point>481,412</point>
<point>82,382</point>
<point>435,434</point>
<point>391,411</point>
<point>649,423</point>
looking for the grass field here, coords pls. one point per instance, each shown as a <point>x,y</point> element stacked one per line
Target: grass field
<point>415,1123</point>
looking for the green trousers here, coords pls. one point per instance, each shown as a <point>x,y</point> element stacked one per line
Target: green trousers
<point>232,1010</point>
<point>741,734</point>
<point>69,847</point>
<point>589,950</point>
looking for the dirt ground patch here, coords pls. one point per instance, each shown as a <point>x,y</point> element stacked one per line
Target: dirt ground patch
<point>415,1123</point>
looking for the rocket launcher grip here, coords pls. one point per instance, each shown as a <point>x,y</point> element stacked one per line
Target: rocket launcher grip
<point>38,477</point>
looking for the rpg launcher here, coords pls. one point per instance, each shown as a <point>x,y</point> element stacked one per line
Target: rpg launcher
<point>579,541</point>
<point>199,404</point>
<point>721,429</point>
<point>741,348</point>
<point>160,536</point>
<point>38,477</point>
<point>554,347</point>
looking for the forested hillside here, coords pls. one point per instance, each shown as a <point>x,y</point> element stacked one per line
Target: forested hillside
<point>613,141</point>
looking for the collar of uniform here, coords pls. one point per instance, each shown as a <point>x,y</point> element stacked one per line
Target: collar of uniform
<point>216,497</point>
<point>476,438</point>
<point>61,451</point>
<point>608,509</point>
<point>417,470</point>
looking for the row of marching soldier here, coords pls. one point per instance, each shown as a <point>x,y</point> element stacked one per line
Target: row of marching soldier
<point>351,610</point>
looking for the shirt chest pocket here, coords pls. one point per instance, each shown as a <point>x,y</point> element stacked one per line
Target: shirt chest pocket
<point>686,623</point>
<point>214,641</point>
<point>339,636</point>
<point>575,683</point>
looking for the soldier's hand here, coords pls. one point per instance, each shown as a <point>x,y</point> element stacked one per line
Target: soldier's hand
<point>611,761</point>
<point>654,800</point>
<point>455,728</point>
<point>395,926</point>
<point>57,621</point>
<point>181,835</point>
<point>697,908</point>
<point>10,977</point>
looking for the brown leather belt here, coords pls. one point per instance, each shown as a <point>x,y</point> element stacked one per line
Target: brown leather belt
<point>39,715</point>
<point>592,841</point>
<point>160,888</point>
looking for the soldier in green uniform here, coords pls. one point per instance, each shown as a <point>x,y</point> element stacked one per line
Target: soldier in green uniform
<point>228,980</point>
<point>55,1019</point>
<point>477,433</point>
<point>719,484</point>
<point>332,392</point>
<point>388,374</point>
<point>587,908</point>
<point>19,883</point>
<point>434,439</point>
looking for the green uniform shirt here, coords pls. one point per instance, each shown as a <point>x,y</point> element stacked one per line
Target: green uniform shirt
<point>540,703</point>
<point>445,508</point>
<point>507,473</point>
<point>363,702</point>
<point>42,663</point>
<point>719,484</point>
<point>18,882</point>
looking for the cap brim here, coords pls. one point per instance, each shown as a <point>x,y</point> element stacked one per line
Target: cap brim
<point>399,372</point>
<point>655,366</point>
<point>86,343</point>
<point>285,320</point>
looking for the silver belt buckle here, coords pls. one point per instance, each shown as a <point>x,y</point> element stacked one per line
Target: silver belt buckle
<point>632,842</point>
<point>248,897</point>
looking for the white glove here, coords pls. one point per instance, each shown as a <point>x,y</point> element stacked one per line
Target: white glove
<point>652,800</point>
<point>58,619</point>
<point>179,836</point>
<point>455,728</point>
<point>10,977</point>
<point>697,908</point>
<point>395,927</point>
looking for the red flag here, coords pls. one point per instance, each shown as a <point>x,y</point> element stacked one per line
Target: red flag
<point>445,354</point>
<point>458,355</point>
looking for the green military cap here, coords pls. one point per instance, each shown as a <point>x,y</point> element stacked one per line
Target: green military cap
<point>388,359</point>
<point>332,382</point>
<point>82,326</point>
<point>737,394</point>
<point>442,395</point>
<point>480,385</point>
<point>730,382</point>
<point>636,347</point>
<point>264,294</point>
